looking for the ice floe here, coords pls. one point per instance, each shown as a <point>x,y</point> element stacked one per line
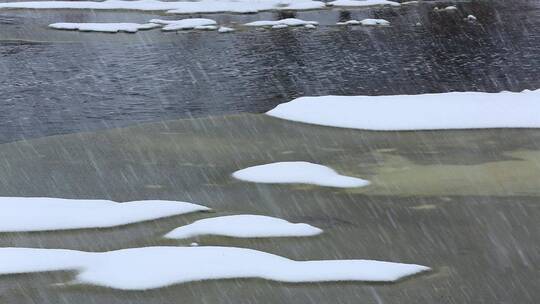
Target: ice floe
<point>371,22</point>
<point>282,23</point>
<point>185,24</point>
<point>244,226</point>
<point>104,27</point>
<point>41,214</point>
<point>456,110</point>
<point>154,267</point>
<point>298,172</point>
<point>174,7</point>
<point>360,3</point>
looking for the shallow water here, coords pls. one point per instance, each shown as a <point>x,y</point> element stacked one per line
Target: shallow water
<point>420,209</point>
<point>72,81</point>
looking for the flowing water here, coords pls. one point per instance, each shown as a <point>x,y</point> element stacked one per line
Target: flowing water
<point>55,82</point>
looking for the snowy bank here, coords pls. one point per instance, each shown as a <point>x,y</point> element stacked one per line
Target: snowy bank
<point>298,172</point>
<point>244,226</point>
<point>154,267</point>
<point>104,27</point>
<point>458,110</point>
<point>174,7</point>
<point>41,214</point>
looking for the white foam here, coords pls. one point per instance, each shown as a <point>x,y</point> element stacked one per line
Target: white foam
<point>244,226</point>
<point>298,172</point>
<point>40,214</point>
<point>282,23</point>
<point>154,267</point>
<point>465,110</point>
<point>104,27</point>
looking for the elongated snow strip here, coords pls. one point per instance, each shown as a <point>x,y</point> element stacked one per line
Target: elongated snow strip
<point>154,267</point>
<point>41,214</point>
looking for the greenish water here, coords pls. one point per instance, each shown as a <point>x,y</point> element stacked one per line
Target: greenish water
<point>462,202</point>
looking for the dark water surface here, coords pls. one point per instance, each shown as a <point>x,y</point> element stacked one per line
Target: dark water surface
<point>70,81</point>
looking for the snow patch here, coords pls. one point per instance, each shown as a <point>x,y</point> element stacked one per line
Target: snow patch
<point>206,27</point>
<point>374,22</point>
<point>448,8</point>
<point>298,172</point>
<point>154,267</point>
<point>360,3</point>
<point>282,23</point>
<point>456,110</point>
<point>349,22</point>
<point>371,22</point>
<point>185,24</point>
<point>244,226</point>
<point>42,214</point>
<point>224,29</point>
<point>104,27</point>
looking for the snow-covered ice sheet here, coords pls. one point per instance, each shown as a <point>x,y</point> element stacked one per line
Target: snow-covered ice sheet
<point>298,172</point>
<point>174,7</point>
<point>154,267</point>
<point>42,214</point>
<point>184,24</point>
<point>360,3</point>
<point>103,27</point>
<point>244,226</point>
<point>457,110</point>
<point>282,22</point>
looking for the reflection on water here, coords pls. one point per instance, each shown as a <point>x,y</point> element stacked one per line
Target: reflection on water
<point>101,80</point>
